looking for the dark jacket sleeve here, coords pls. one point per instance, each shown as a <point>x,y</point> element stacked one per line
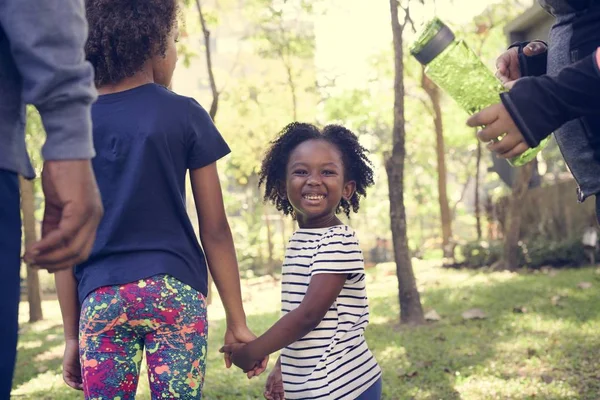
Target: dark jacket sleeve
<point>47,39</point>
<point>531,65</point>
<point>540,105</point>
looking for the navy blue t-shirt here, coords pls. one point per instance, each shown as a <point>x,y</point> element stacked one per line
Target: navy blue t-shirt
<point>146,139</point>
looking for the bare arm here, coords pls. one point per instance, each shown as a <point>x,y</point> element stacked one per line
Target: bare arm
<point>217,242</point>
<point>66,288</point>
<point>320,295</point>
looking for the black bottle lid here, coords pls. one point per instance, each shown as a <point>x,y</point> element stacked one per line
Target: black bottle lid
<point>436,45</point>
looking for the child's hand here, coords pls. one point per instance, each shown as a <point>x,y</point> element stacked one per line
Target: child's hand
<point>71,365</point>
<point>240,357</point>
<point>242,335</point>
<point>274,386</point>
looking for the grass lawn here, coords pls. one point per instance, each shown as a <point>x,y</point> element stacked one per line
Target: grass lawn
<point>530,346</point>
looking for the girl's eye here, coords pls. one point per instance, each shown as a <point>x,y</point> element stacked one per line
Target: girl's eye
<point>299,172</point>
<point>328,172</point>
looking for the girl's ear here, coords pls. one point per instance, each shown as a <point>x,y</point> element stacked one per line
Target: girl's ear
<point>349,189</point>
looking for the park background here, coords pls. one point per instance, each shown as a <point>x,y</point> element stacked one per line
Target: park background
<point>507,296</point>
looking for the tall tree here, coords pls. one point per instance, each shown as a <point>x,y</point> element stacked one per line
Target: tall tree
<point>34,134</point>
<point>445,216</point>
<point>34,296</point>
<point>477,181</point>
<point>513,218</point>
<point>411,311</point>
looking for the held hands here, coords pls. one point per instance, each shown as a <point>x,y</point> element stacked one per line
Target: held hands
<point>235,340</point>
<point>240,356</point>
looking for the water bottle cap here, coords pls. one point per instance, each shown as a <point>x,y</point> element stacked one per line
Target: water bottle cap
<point>436,45</point>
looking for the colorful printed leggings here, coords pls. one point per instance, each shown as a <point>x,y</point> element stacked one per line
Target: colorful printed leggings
<point>160,313</point>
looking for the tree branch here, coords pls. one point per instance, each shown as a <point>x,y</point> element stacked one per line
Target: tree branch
<point>213,85</point>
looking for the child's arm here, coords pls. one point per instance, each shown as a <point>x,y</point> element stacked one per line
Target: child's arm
<point>217,242</point>
<point>321,294</point>
<point>66,288</point>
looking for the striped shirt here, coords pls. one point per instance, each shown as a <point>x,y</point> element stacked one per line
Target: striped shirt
<point>333,360</point>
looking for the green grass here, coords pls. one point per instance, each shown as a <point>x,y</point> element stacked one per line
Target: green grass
<point>548,352</point>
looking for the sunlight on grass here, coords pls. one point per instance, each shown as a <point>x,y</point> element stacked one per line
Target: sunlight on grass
<point>54,353</point>
<point>531,345</point>
<point>34,344</point>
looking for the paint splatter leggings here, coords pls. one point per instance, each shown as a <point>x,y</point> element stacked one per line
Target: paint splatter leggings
<point>160,314</point>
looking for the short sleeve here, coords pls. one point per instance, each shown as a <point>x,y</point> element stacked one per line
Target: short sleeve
<point>205,143</point>
<point>338,252</point>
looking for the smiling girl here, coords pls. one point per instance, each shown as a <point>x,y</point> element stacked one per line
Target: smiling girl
<point>313,175</point>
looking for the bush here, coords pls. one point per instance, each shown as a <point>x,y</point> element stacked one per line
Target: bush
<point>478,254</point>
<point>533,254</point>
<point>567,253</point>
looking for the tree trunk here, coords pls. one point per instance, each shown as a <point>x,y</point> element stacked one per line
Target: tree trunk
<point>411,311</point>
<point>446,219</point>
<point>284,237</point>
<point>270,262</point>
<point>214,105</point>
<point>513,223</point>
<point>292,85</point>
<point>34,294</point>
<point>477,202</point>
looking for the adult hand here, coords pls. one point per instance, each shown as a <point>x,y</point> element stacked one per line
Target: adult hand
<point>242,335</point>
<point>498,122</point>
<point>507,64</point>
<point>71,217</point>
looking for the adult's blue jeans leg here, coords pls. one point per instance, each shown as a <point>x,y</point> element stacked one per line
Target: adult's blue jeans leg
<point>10,261</point>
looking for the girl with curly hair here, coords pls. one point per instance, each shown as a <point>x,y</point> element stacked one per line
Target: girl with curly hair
<point>313,175</point>
<point>144,285</point>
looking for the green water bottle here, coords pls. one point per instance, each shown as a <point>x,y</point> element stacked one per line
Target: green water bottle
<point>455,68</point>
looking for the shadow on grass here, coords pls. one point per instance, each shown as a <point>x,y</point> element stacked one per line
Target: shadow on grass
<point>545,347</point>
<point>430,361</point>
<point>35,352</point>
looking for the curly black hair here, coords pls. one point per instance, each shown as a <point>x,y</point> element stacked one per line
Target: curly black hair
<point>357,166</point>
<point>124,34</point>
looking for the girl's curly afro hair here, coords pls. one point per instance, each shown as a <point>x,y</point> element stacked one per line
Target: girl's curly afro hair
<point>124,34</point>
<point>357,166</point>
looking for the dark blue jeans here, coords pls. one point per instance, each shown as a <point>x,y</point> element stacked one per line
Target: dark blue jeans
<point>372,393</point>
<point>10,261</point>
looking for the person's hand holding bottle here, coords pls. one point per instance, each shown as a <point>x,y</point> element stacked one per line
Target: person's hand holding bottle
<point>507,64</point>
<point>495,118</point>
